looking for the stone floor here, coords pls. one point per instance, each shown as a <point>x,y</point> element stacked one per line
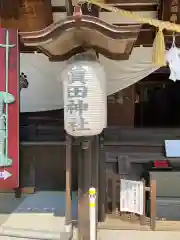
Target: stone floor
<point>37,216</point>
<point>8,204</point>
<point>138,235</point>
<point>41,216</point>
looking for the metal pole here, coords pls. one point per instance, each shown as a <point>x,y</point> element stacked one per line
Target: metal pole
<point>92,213</point>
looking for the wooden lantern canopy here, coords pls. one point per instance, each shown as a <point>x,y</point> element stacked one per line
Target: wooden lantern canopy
<point>70,36</point>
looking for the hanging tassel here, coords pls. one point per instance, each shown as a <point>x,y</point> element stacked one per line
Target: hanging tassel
<point>159,48</point>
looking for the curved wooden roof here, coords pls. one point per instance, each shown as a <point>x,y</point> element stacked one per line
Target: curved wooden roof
<point>62,39</point>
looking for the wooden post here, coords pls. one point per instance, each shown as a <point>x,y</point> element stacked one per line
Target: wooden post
<point>102,181</point>
<point>143,217</point>
<point>95,168</point>
<point>68,179</point>
<point>80,191</point>
<point>87,177</point>
<point>84,173</point>
<point>153,205</point>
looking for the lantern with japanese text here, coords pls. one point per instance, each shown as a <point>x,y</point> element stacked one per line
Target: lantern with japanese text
<point>85,99</point>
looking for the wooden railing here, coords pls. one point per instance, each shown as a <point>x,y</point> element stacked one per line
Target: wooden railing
<point>113,201</point>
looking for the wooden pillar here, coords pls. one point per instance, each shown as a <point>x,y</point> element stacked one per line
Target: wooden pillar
<point>83,187</point>
<point>88,177</point>
<point>95,162</point>
<point>95,170</point>
<point>102,181</point>
<point>68,179</point>
<point>80,192</point>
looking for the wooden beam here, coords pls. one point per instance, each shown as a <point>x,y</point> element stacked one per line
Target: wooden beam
<point>136,8</point>
<point>132,2</point>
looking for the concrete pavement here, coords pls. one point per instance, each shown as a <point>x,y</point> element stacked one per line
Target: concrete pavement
<point>137,235</point>
<point>37,216</point>
<point>118,235</point>
<point>41,216</point>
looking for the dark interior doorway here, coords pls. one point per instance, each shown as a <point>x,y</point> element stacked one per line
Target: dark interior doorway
<point>159,102</point>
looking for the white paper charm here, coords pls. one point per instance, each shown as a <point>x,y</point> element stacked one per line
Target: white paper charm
<point>173,60</point>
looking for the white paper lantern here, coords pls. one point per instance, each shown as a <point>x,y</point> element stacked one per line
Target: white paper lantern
<point>85,99</point>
